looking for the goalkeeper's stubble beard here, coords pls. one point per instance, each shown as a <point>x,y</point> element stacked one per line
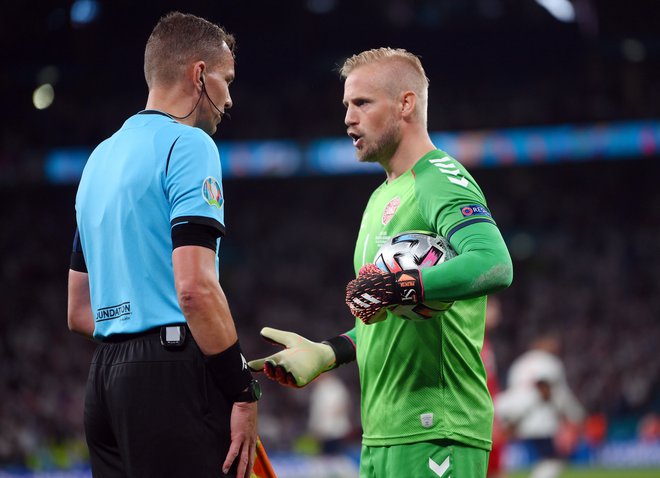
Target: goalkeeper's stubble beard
<point>381,149</point>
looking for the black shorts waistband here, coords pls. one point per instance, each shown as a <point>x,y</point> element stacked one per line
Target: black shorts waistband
<point>155,331</point>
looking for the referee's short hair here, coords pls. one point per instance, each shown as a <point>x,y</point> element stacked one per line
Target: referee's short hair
<point>178,39</point>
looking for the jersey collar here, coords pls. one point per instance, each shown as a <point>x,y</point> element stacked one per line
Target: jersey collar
<point>154,112</point>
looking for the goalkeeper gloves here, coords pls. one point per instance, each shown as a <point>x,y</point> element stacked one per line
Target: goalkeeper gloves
<point>373,290</point>
<point>299,363</point>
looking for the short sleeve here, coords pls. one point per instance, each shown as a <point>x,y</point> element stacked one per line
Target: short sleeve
<point>193,181</point>
<point>77,257</point>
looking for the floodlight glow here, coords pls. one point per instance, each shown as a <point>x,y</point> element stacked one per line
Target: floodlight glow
<point>562,10</point>
<point>84,11</point>
<point>43,96</point>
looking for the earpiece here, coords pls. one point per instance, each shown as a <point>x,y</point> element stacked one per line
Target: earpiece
<point>223,114</point>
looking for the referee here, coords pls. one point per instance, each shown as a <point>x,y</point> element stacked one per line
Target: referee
<point>169,393</point>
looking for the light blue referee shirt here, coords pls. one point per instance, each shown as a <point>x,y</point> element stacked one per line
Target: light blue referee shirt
<point>149,176</point>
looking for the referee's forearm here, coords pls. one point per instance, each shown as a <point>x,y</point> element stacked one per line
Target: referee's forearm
<point>202,300</point>
<point>207,313</point>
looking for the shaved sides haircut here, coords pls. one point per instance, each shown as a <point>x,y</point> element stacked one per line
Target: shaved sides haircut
<point>407,73</point>
<point>179,39</point>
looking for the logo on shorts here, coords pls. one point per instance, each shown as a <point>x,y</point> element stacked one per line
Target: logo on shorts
<point>475,210</point>
<point>245,364</point>
<point>390,209</point>
<point>212,193</point>
<point>426,419</point>
<point>439,470</point>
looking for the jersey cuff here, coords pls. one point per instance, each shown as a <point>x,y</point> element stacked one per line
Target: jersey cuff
<point>78,262</point>
<point>203,220</point>
<point>77,257</point>
<point>192,234</point>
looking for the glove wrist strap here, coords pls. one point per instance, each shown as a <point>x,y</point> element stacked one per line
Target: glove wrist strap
<point>344,349</point>
<point>408,285</point>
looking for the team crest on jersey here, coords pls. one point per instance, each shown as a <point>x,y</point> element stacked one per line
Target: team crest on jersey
<point>475,210</point>
<point>212,193</point>
<point>390,209</point>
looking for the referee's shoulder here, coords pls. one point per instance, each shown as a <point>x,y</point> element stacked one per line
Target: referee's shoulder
<point>195,136</point>
<point>180,140</point>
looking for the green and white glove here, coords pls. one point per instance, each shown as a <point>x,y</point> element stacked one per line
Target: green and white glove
<point>299,363</point>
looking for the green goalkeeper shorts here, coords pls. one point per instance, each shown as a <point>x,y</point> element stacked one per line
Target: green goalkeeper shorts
<point>430,459</point>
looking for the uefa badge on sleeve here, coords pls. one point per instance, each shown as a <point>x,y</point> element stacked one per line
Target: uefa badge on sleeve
<point>212,193</point>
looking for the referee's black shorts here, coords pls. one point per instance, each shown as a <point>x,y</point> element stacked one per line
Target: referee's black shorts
<point>154,412</point>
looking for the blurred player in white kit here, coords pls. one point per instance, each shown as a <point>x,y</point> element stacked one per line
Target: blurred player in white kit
<point>538,404</point>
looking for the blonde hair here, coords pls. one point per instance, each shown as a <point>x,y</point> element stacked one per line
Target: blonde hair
<point>410,77</point>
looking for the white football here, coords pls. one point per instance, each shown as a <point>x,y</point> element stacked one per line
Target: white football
<point>415,250</point>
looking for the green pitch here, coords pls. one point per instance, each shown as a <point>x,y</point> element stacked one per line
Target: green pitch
<point>595,473</point>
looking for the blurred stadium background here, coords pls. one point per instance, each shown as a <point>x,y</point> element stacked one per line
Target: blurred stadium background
<point>553,105</point>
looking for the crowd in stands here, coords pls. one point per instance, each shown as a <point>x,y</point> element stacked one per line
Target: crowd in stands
<point>510,66</point>
<point>584,239</point>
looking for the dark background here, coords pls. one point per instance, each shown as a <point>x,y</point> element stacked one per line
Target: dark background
<point>584,237</point>
<point>492,63</point>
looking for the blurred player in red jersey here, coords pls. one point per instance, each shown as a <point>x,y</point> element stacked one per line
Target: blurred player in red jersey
<point>493,317</point>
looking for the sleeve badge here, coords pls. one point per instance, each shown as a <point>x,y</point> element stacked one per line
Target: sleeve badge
<point>212,193</point>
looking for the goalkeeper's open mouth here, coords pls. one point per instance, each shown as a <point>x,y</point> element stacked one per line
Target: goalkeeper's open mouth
<point>357,139</point>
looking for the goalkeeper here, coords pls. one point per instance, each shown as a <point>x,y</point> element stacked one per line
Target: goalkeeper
<point>425,407</point>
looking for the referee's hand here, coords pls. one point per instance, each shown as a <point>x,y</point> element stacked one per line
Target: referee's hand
<point>243,438</point>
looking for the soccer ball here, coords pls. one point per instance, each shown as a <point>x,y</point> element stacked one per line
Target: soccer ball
<point>415,250</point>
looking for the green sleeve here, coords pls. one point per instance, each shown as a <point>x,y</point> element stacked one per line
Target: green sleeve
<point>453,205</point>
<point>482,266</point>
<point>351,334</point>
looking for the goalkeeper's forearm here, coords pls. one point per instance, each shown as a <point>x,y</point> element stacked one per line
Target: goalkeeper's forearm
<point>302,360</point>
<point>483,266</point>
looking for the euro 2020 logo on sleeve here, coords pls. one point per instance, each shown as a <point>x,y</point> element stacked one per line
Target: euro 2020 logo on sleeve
<point>212,193</point>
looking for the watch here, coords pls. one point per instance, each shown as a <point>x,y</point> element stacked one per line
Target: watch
<point>251,394</point>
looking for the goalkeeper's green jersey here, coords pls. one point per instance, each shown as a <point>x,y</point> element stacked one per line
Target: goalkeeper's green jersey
<point>425,380</point>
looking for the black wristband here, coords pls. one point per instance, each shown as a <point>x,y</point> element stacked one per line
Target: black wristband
<point>230,371</point>
<point>408,285</point>
<point>344,349</point>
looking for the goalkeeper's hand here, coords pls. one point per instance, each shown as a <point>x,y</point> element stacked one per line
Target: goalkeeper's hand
<point>373,290</point>
<point>299,363</point>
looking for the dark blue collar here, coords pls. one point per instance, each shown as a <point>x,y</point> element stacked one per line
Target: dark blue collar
<point>154,112</point>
